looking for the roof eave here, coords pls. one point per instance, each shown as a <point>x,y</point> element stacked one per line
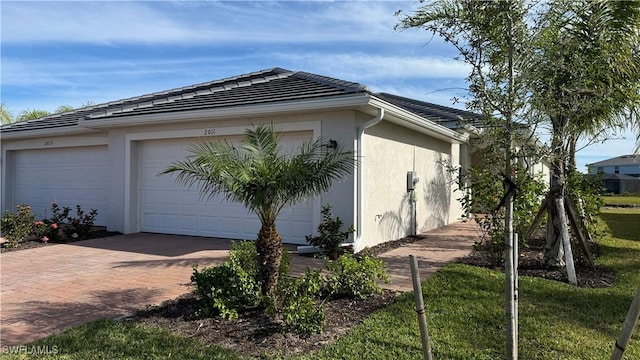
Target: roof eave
<point>330,103</point>
<point>41,133</point>
<point>413,121</point>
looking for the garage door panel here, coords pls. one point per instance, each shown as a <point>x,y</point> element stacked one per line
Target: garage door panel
<point>68,176</point>
<point>169,207</point>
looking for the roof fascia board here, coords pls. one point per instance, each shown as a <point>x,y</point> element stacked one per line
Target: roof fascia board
<point>41,133</point>
<point>416,122</point>
<point>230,112</point>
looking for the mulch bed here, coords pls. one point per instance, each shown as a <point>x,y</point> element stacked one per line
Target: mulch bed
<point>530,264</point>
<point>254,333</point>
<point>33,244</point>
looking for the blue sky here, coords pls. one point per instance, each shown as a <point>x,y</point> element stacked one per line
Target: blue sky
<point>66,53</point>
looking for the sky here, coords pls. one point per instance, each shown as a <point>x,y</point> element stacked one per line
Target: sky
<point>67,53</point>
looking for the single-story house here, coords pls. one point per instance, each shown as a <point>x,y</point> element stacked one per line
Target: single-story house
<point>108,156</point>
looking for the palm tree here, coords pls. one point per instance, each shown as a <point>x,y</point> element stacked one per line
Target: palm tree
<point>63,109</point>
<point>32,114</point>
<point>5,114</point>
<point>259,175</point>
<point>585,71</point>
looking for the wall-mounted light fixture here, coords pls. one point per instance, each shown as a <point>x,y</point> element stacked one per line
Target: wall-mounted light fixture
<point>332,144</point>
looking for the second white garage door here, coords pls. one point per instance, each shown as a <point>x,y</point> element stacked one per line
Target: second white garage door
<point>171,208</point>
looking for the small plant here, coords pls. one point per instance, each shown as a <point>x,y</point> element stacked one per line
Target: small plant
<point>232,287</point>
<point>62,223</point>
<point>355,276</point>
<point>298,308</point>
<point>17,227</point>
<point>330,235</point>
<point>225,290</point>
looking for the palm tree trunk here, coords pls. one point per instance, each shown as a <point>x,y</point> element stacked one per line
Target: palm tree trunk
<point>556,229</point>
<point>269,247</point>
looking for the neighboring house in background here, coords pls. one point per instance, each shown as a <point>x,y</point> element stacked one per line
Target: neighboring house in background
<point>108,157</point>
<point>620,175</point>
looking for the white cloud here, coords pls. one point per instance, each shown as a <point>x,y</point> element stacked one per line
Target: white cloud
<point>196,22</point>
<point>93,22</point>
<point>361,67</point>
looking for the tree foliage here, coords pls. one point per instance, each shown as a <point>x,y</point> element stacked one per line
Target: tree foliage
<point>31,114</point>
<point>575,66</point>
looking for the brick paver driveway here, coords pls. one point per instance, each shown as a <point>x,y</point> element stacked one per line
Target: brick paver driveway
<point>48,289</point>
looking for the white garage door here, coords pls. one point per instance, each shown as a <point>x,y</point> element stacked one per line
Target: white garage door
<point>68,176</point>
<point>171,208</point>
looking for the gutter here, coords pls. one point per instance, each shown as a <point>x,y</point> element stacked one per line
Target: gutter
<point>360,178</point>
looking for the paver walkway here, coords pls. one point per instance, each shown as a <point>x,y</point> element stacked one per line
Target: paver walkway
<point>46,290</point>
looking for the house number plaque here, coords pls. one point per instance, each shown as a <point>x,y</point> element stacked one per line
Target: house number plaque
<point>208,132</point>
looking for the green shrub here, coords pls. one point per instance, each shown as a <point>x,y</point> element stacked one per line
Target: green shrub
<point>355,276</point>
<point>245,255</point>
<point>234,286</point>
<point>299,310</point>
<point>330,234</point>
<point>482,194</point>
<point>225,290</point>
<point>17,227</point>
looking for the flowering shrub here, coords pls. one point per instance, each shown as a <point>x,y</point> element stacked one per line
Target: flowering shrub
<point>62,222</point>
<point>17,227</point>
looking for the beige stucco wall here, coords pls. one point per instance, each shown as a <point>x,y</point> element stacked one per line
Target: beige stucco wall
<point>122,147</point>
<point>390,151</point>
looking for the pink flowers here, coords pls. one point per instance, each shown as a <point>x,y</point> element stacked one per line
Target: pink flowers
<point>54,226</point>
<point>45,239</point>
<point>38,223</point>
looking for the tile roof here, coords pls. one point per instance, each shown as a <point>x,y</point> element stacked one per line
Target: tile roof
<point>261,87</point>
<point>446,116</point>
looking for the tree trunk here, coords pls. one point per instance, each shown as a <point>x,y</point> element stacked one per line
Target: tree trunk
<point>269,248</point>
<point>556,228</point>
<point>573,140</point>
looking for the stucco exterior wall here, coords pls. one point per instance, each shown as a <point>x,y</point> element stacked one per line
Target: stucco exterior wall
<point>389,152</point>
<point>122,182</point>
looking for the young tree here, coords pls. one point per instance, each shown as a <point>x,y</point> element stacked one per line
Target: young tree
<point>491,37</point>
<point>584,79</point>
<point>263,178</point>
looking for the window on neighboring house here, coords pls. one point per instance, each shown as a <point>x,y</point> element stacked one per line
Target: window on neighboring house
<point>616,169</point>
<point>600,169</point>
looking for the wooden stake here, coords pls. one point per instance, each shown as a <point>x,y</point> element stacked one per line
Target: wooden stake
<point>422,317</point>
<point>537,220</point>
<point>573,219</point>
<point>627,328</point>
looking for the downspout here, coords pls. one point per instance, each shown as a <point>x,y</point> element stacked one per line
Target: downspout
<point>360,179</point>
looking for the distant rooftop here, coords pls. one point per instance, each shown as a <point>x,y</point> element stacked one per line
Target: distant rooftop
<point>623,160</point>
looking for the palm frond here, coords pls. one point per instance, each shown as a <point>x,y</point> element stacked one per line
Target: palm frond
<point>257,174</point>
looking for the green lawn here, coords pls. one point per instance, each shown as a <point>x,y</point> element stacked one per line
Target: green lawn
<point>465,315</point>
<point>621,200</point>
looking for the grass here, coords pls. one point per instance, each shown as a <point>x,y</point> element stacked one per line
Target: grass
<point>464,311</point>
<point>621,200</point>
